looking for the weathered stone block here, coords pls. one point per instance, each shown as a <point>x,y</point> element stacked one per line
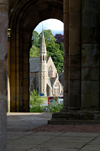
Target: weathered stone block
<point>90,87</point>
<point>74,101</point>
<point>26,67</point>
<point>89,19</point>
<point>3,120</point>
<point>66,21</point>
<point>3,30</point>
<point>74,36</point>
<point>12,52</point>
<point>90,74</point>
<point>25,97</point>
<point>17,68</point>
<point>74,49</point>
<point>26,82</point>
<point>74,73</point>
<point>26,60</point>
<point>74,5</point>
<point>66,62</point>
<point>89,35</point>
<point>26,89</point>
<point>13,67</point>
<point>26,75</point>
<point>74,61</point>
<point>12,89</point>
<point>4,2</point>
<point>90,94</point>
<point>90,4</point>
<point>74,87</point>
<point>66,75</point>
<point>90,101</point>
<point>90,55</point>
<point>74,19</point>
<point>66,6</point>
<point>13,60</point>
<point>66,39</point>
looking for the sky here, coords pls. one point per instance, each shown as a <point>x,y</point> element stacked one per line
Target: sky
<point>56,26</point>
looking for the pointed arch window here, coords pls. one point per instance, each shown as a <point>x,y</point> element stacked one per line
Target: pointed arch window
<point>43,58</point>
<point>50,71</point>
<point>56,89</point>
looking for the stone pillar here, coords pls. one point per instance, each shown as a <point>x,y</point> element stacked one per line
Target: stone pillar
<point>8,74</point>
<point>66,52</point>
<point>90,62</point>
<point>82,63</point>
<point>3,71</point>
<point>72,63</point>
<point>19,74</point>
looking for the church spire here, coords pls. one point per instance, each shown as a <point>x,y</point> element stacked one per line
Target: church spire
<point>43,67</point>
<point>43,45</point>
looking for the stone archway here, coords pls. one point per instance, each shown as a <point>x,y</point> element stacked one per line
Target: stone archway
<point>78,67</point>
<point>23,18</point>
<point>82,56</point>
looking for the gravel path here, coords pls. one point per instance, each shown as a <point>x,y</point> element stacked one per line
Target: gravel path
<point>67,128</point>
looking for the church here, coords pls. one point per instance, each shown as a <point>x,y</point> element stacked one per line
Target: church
<point>43,73</point>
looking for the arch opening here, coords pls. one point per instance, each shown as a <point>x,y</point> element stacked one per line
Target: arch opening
<point>23,18</point>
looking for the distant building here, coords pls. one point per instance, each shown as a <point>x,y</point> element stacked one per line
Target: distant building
<point>43,74</point>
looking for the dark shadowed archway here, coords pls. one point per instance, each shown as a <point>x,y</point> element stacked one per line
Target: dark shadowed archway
<point>24,16</point>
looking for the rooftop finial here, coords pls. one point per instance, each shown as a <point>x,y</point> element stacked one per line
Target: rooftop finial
<point>42,27</point>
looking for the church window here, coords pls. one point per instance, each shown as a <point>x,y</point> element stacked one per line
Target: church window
<point>31,87</point>
<point>56,85</point>
<point>56,89</point>
<point>43,58</point>
<point>50,71</point>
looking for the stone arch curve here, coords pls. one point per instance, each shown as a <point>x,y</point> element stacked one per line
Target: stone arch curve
<point>24,16</point>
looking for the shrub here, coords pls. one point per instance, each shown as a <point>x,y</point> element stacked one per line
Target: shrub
<point>54,107</point>
<point>35,102</point>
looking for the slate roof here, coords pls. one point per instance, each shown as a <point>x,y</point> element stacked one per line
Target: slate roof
<point>34,64</point>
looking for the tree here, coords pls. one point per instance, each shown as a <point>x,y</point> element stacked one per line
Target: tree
<point>49,37</point>
<point>62,46</point>
<point>56,54</point>
<point>34,51</point>
<point>35,39</point>
<point>59,38</point>
<point>53,49</point>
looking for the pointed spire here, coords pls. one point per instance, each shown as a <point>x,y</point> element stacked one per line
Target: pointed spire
<point>43,45</point>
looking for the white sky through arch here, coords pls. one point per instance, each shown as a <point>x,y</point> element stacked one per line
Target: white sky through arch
<point>56,26</point>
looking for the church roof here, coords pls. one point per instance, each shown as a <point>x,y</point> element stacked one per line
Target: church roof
<point>34,64</point>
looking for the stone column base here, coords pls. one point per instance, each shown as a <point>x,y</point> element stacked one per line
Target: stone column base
<point>76,117</point>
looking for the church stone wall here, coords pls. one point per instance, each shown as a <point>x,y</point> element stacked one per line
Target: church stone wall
<point>50,63</point>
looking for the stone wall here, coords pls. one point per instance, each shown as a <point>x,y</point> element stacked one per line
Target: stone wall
<point>3,71</point>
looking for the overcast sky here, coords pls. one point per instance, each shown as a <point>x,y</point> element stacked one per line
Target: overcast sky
<point>54,25</point>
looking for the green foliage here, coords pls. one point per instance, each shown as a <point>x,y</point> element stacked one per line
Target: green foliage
<point>56,51</point>
<point>48,36</point>
<point>56,54</point>
<point>62,46</point>
<point>36,39</point>
<point>56,98</point>
<point>35,102</point>
<point>54,107</point>
<point>34,51</point>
